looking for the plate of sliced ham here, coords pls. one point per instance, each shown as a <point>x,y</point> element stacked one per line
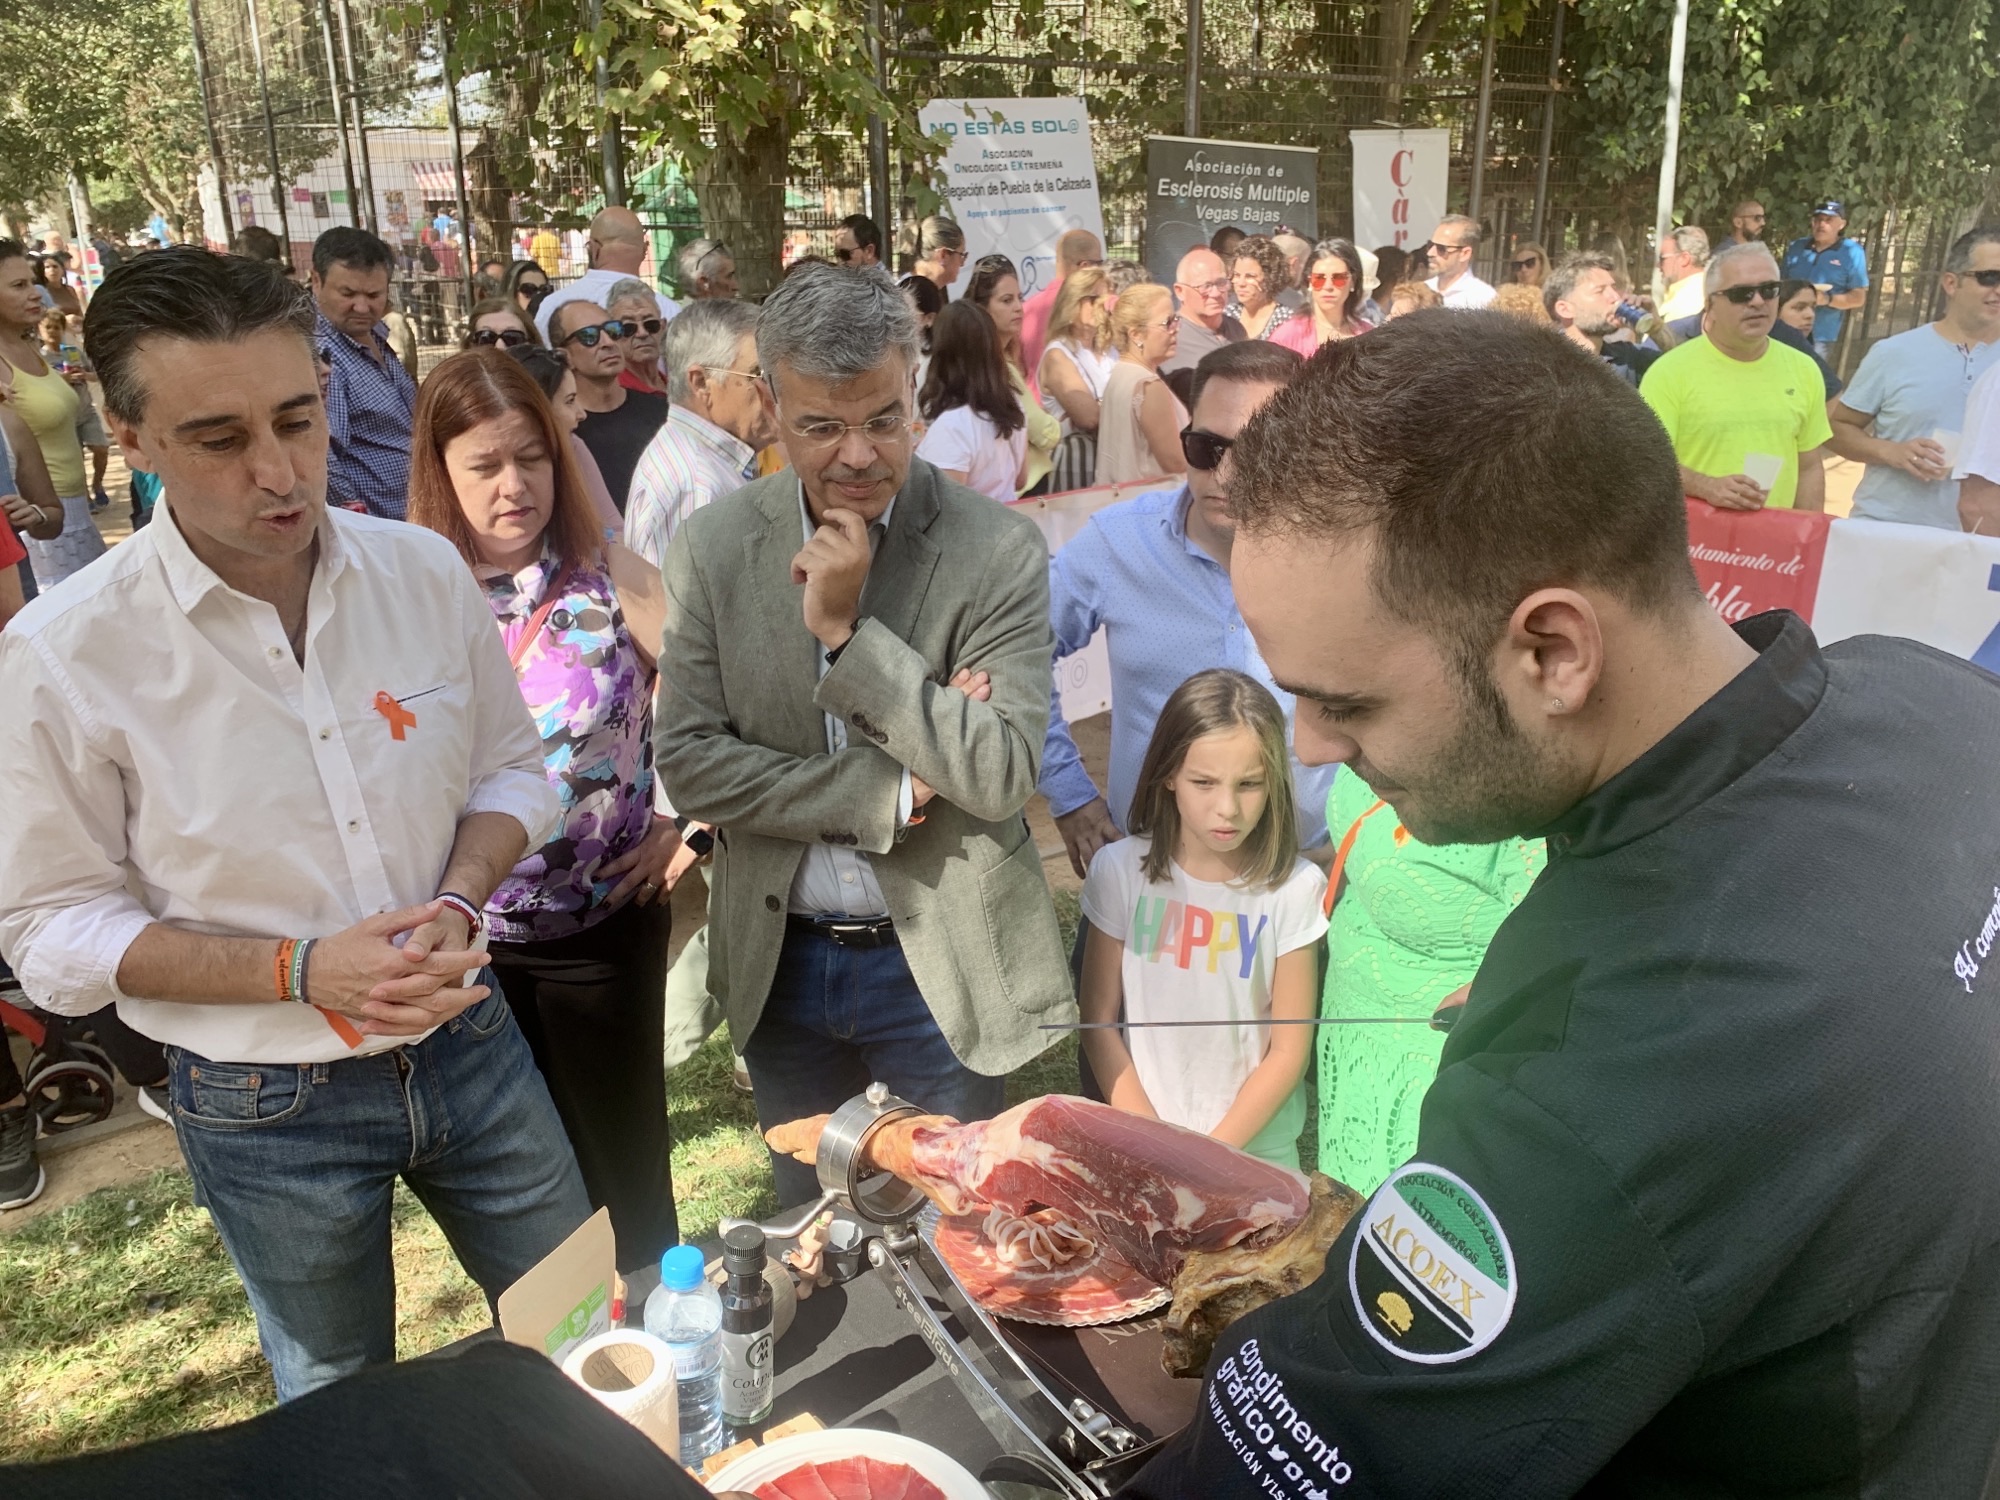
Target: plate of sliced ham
<point>849,1463</point>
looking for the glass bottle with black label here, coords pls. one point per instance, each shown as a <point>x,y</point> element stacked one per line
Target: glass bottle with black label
<point>746,1329</point>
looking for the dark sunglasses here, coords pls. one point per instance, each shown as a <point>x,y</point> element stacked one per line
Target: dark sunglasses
<point>1742,296</point>
<point>590,333</point>
<point>535,290</point>
<point>1204,450</point>
<point>1987,279</point>
<point>843,254</point>
<point>1525,261</point>
<point>486,338</point>
<point>643,325</point>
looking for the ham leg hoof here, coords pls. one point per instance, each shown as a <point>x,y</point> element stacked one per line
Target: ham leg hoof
<point>798,1139</point>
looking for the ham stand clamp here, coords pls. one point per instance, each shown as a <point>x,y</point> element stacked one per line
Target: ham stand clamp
<point>1051,1442</point>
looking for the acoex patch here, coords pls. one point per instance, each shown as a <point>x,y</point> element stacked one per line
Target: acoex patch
<point>1432,1276</point>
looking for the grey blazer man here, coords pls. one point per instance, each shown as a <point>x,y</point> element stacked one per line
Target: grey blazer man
<point>957,582</point>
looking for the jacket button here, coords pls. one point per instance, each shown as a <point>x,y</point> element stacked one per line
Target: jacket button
<point>771,903</point>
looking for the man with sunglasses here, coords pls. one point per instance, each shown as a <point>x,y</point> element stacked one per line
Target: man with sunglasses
<point>1201,292</point>
<point>631,303</point>
<point>617,423</point>
<point>1746,414</point>
<point>1904,413</point>
<point>1450,251</point>
<point>854,687</point>
<point>1153,573</point>
<point>1746,226</point>
<point>1836,266</point>
<point>617,248</point>
<point>858,242</point>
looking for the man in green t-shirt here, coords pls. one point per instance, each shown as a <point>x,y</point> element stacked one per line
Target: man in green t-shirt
<point>1747,415</point>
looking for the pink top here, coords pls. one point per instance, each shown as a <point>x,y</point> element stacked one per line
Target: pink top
<point>1035,314</point>
<point>1301,334</point>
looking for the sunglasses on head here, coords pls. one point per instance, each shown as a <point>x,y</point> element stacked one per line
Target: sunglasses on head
<point>1319,281</point>
<point>998,263</point>
<point>591,333</point>
<point>486,338</point>
<point>1742,296</point>
<point>1203,450</point>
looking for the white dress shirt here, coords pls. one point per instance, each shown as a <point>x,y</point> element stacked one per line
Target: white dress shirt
<point>1468,292</point>
<point>833,881</point>
<point>595,286</point>
<point>170,760</point>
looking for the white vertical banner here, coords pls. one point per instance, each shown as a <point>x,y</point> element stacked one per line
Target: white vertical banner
<point>1017,174</point>
<point>1399,185</point>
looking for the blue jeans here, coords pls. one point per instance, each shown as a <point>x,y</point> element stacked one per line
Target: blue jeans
<point>297,1164</point>
<point>838,1019</point>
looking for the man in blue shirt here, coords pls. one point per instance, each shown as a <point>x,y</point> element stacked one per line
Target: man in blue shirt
<point>1835,265</point>
<point>1154,572</point>
<point>370,397</point>
<point>1904,413</point>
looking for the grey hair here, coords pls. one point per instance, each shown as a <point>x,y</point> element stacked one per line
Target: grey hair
<point>1693,242</point>
<point>691,256</point>
<point>1711,283</point>
<point>1473,233</point>
<point>704,333</point>
<point>630,286</point>
<point>1958,260</point>
<point>835,323</point>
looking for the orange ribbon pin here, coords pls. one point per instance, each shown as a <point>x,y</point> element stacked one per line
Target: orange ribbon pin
<point>399,717</point>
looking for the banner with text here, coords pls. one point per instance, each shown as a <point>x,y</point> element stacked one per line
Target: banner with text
<point>1194,188</point>
<point>1750,561</point>
<point>1017,174</point>
<point>1399,185</point>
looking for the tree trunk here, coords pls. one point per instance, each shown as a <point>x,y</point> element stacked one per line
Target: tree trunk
<point>1395,18</point>
<point>741,191</point>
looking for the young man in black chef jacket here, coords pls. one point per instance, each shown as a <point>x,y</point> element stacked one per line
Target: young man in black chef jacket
<point>1704,1200</point>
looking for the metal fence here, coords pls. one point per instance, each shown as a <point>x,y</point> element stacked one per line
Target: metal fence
<point>357,117</point>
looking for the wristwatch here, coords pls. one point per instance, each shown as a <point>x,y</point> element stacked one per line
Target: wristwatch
<point>701,840</point>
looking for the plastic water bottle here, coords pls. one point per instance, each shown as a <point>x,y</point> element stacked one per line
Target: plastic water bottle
<point>685,1314</point>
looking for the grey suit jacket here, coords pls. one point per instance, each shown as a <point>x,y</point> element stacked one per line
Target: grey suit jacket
<point>957,581</point>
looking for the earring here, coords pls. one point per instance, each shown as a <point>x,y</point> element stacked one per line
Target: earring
<point>1556,704</point>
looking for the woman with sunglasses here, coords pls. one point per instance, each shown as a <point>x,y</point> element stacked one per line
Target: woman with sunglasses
<point>1140,421</point>
<point>1529,265</point>
<point>579,929</point>
<point>996,289</point>
<point>527,283</point>
<point>938,252</point>
<point>550,370</point>
<point>1334,291</point>
<point>976,429</point>
<point>1254,284</point>
<point>637,306</point>
<point>498,320</point>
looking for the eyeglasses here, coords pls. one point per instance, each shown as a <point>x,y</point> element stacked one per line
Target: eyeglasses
<point>1742,296</point>
<point>1210,288</point>
<point>1319,281</point>
<point>882,431</point>
<point>1204,450</point>
<point>1987,279</point>
<point>486,338</point>
<point>754,374</point>
<point>591,333</point>
<point>643,325</point>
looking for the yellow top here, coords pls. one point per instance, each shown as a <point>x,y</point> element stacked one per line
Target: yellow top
<point>48,404</point>
<point>1044,431</point>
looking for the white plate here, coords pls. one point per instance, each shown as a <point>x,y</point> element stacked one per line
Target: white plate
<point>775,1460</point>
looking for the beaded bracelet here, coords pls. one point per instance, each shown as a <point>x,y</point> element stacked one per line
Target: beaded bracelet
<point>301,952</point>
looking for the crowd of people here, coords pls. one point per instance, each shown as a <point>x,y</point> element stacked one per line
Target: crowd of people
<point>360,781</point>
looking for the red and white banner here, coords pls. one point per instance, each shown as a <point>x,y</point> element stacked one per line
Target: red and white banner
<point>1750,561</point>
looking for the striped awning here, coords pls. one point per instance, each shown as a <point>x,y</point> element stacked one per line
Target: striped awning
<point>434,179</point>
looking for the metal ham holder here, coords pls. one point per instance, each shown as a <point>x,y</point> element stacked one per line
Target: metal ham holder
<point>1074,1411</point>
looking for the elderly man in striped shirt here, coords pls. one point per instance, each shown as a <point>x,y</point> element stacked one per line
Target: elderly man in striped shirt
<point>721,416</point>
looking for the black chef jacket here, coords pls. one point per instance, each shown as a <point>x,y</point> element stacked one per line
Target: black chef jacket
<point>1706,1197</point>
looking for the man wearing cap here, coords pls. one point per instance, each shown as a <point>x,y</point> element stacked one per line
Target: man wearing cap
<point>1835,265</point>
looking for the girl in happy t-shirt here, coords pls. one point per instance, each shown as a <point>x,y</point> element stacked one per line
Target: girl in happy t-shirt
<point>1207,913</point>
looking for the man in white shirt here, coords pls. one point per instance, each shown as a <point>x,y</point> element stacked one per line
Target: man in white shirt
<point>617,249</point>
<point>267,762</point>
<point>1451,248</point>
<point>718,421</point>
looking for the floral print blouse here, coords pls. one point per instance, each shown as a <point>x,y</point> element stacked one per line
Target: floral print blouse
<point>591,696</point>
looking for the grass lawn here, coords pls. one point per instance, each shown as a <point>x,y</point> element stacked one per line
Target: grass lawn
<point>122,1319</point>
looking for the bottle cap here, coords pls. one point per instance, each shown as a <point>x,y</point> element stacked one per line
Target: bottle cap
<point>681,1268</point>
<point>743,1250</point>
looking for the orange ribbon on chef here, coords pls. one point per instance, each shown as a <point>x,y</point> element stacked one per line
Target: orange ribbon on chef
<point>399,717</point>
